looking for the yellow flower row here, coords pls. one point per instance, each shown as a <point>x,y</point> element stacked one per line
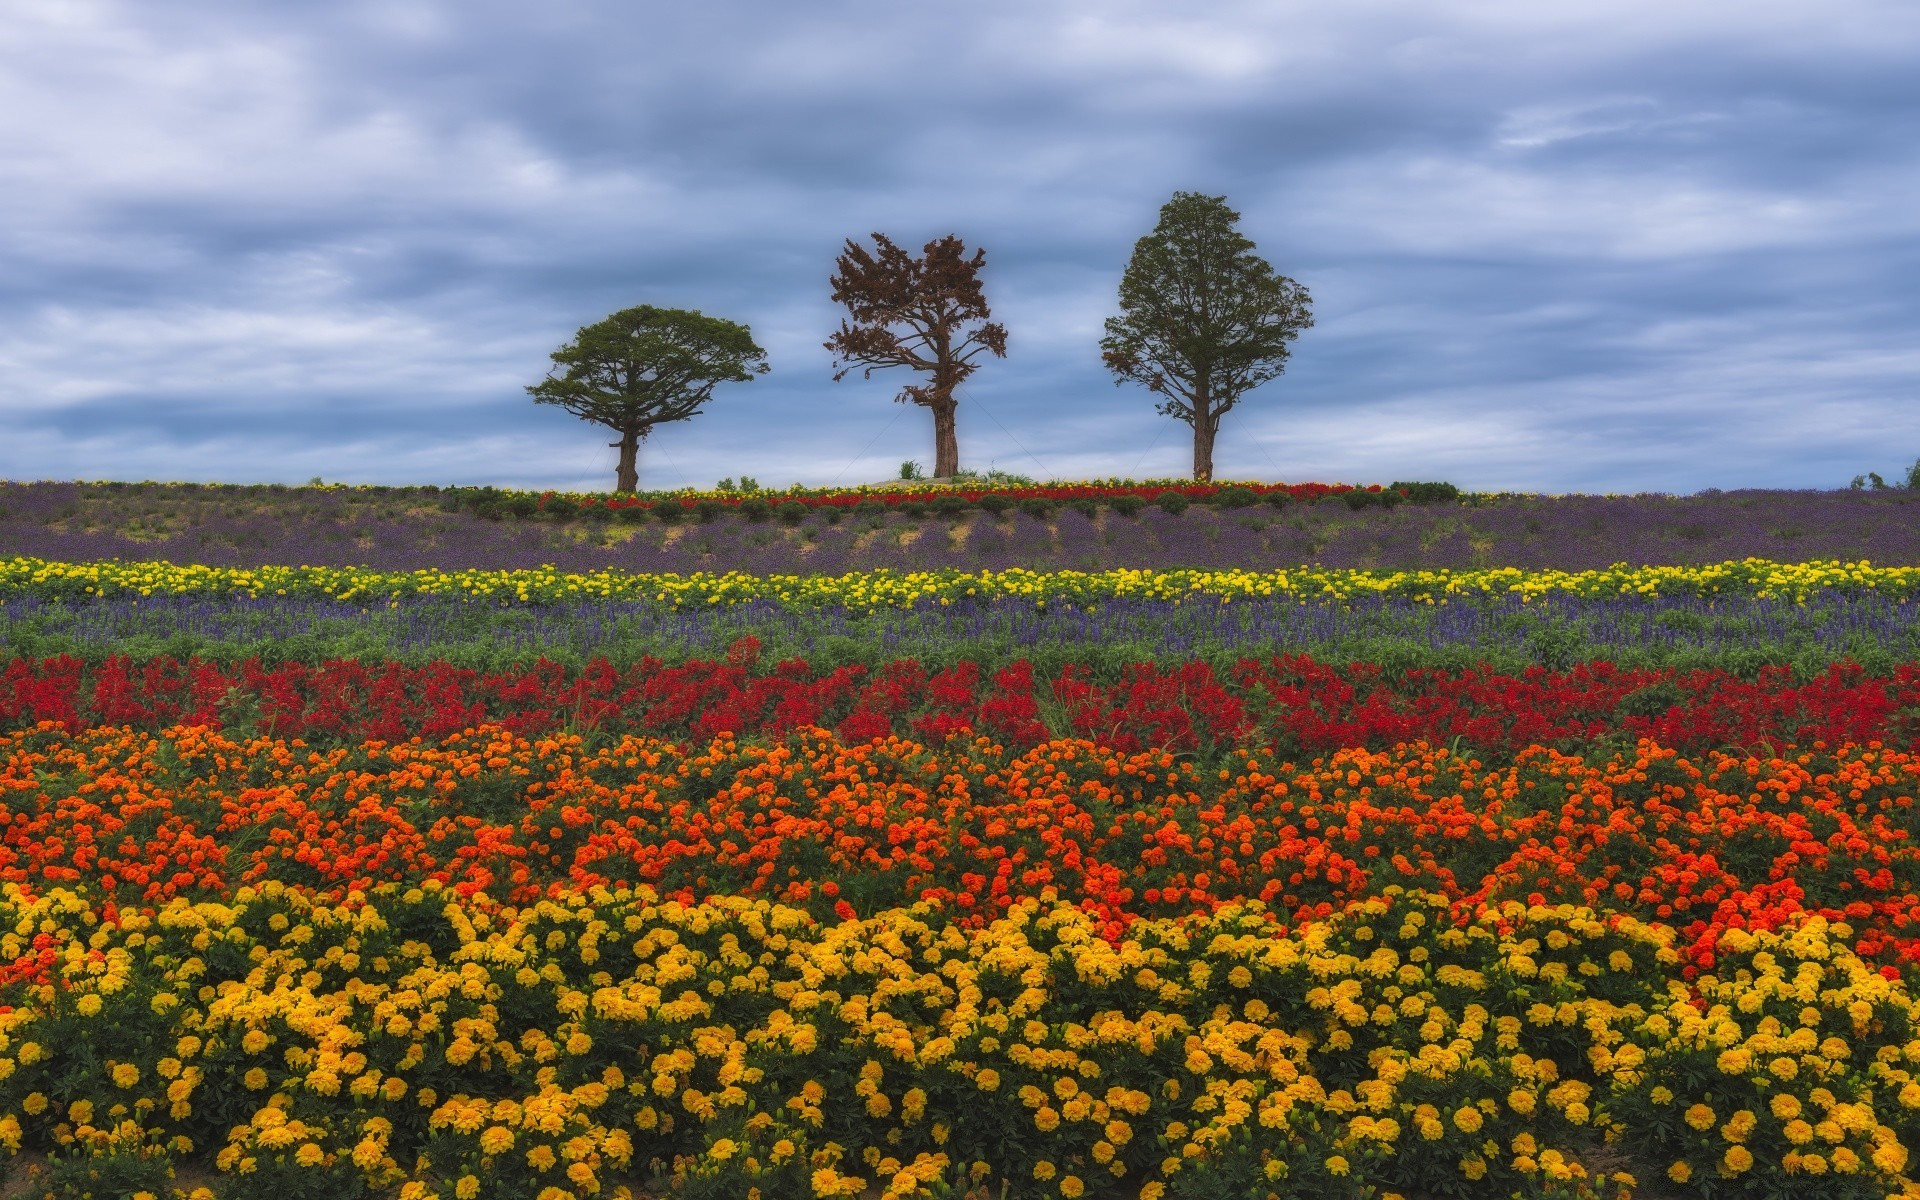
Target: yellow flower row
<point>410,1043</point>
<point>887,588</point>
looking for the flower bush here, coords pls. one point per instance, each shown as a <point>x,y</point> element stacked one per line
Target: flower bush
<point>593,1041</point>
<point>1708,844</point>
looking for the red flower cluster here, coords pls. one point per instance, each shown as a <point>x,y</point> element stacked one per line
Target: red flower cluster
<point>1284,705</point>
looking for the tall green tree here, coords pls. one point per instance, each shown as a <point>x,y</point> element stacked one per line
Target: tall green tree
<point>1203,319</point>
<point>645,366</point>
<point>912,312</point>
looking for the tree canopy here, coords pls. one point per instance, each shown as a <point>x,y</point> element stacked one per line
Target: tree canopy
<point>645,366</point>
<point>932,297</point>
<point>1203,319</point>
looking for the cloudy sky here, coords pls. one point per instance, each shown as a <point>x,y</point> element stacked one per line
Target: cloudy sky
<point>1593,245</point>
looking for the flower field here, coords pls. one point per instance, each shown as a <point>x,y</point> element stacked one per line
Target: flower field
<point>1019,914</point>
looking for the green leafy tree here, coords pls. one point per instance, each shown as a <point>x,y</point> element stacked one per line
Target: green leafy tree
<point>644,366</point>
<point>932,297</point>
<point>1203,320</point>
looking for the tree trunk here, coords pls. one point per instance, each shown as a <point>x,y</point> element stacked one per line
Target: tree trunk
<point>946,445</point>
<point>1206,423</point>
<point>627,477</point>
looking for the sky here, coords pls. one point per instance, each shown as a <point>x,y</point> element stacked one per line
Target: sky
<point>1586,246</point>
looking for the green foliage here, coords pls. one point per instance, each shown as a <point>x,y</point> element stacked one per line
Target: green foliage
<point>997,505</point>
<point>1190,351</point>
<point>1427,493</point>
<point>631,514</point>
<point>792,512</point>
<point>950,506</point>
<point>1036,506</point>
<point>911,508</point>
<point>911,470</point>
<point>1127,506</point>
<point>1173,502</point>
<point>1235,497</point>
<point>645,365</point>
<point>754,509</point>
<point>1003,478</point>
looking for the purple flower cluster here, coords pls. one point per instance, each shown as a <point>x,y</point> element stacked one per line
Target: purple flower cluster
<point>1621,629</point>
<point>407,530</point>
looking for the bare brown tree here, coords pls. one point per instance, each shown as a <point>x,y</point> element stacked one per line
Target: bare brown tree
<point>932,297</point>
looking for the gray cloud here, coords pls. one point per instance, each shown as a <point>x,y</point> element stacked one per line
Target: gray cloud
<point>1590,246</point>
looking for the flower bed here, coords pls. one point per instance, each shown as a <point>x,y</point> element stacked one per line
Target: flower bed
<point>889,588</point>
<point>1708,843</point>
<point>1288,704</point>
<point>402,1043</point>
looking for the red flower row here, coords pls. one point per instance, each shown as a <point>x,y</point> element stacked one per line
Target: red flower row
<point>1288,704</point>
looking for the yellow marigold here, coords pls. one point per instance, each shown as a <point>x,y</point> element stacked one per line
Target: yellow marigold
<point>125,1075</point>
<point>89,1005</point>
<point>1468,1120</point>
<point>1701,1117</point>
<point>1043,1170</point>
<point>1070,1185</point>
<point>1046,1120</point>
<point>1736,1159</point>
<point>540,1158</point>
<point>1337,1165</point>
<point>1680,1172</point>
<point>466,1187</point>
<point>309,1155</point>
<point>722,1150</point>
<point>1785,1105</point>
<point>497,1139</point>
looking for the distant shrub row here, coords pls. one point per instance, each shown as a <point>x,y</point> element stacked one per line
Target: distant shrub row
<point>793,508</point>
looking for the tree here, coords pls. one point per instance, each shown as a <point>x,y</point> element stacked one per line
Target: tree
<point>1203,319</point>
<point>933,296</point>
<point>644,366</point>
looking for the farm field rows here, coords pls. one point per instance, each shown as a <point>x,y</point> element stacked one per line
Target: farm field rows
<point>416,875</point>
